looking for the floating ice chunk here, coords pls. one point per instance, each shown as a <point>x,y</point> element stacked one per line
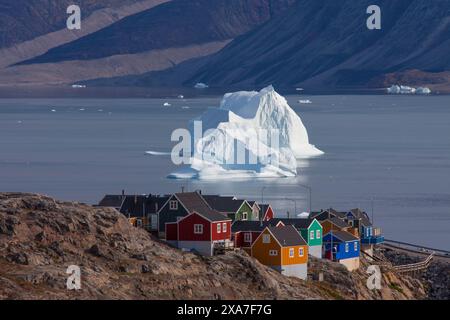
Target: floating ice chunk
<point>201,85</point>
<point>167,104</point>
<point>305,101</point>
<point>180,96</point>
<point>303,215</point>
<point>423,90</point>
<point>78,86</point>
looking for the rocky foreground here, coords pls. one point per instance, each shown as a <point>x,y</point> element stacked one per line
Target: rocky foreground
<point>40,237</point>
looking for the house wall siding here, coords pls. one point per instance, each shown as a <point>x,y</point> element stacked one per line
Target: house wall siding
<point>216,236</point>
<point>260,251</point>
<point>186,229</point>
<point>166,215</point>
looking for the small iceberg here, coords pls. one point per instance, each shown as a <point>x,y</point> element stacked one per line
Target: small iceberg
<point>299,89</point>
<point>251,135</point>
<point>400,89</point>
<point>166,104</point>
<point>157,153</point>
<point>180,96</point>
<point>303,215</point>
<point>78,86</point>
<point>305,101</point>
<point>423,90</point>
<point>201,85</point>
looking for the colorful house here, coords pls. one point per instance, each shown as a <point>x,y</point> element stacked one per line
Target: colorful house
<point>266,211</point>
<point>245,233</point>
<point>201,232</point>
<point>335,224</point>
<point>369,235</point>
<point>342,247</point>
<point>178,206</point>
<point>141,210</point>
<point>328,214</point>
<point>234,208</point>
<point>310,229</point>
<point>256,209</point>
<point>283,249</point>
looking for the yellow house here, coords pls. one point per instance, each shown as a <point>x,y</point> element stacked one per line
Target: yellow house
<point>283,249</point>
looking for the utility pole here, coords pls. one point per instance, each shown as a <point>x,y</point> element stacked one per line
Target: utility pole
<point>261,213</point>
<point>310,196</point>
<point>295,203</point>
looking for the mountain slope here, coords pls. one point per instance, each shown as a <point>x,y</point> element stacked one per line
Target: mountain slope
<point>326,44</point>
<point>175,24</point>
<point>40,237</point>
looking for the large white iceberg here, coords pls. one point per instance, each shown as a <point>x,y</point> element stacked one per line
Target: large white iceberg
<point>251,134</point>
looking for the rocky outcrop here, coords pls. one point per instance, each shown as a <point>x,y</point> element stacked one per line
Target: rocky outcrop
<point>41,237</point>
<point>436,278</point>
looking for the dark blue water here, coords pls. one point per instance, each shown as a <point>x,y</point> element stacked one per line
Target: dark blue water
<point>389,152</point>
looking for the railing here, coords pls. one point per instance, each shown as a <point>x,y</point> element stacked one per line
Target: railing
<point>414,266</point>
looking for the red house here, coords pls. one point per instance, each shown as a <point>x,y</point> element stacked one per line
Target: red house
<point>244,233</point>
<point>267,212</point>
<point>201,232</point>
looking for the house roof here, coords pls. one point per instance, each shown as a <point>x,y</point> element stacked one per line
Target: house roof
<point>287,236</point>
<point>223,204</point>
<point>297,223</point>
<point>329,213</point>
<point>193,201</point>
<point>338,222</point>
<point>111,200</point>
<point>363,216</point>
<point>249,226</point>
<point>343,236</point>
<point>213,216</point>
<point>252,203</point>
<point>140,205</point>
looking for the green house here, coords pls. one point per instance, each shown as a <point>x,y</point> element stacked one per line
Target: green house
<point>235,209</point>
<point>310,229</point>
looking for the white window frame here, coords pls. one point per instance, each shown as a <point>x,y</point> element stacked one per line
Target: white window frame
<point>318,234</point>
<point>224,227</point>
<point>219,228</point>
<point>311,235</point>
<point>347,247</point>
<point>291,252</point>
<point>301,252</point>
<point>173,205</point>
<point>355,246</point>
<point>273,253</point>
<point>266,238</point>
<point>198,229</point>
<point>244,216</point>
<point>248,237</point>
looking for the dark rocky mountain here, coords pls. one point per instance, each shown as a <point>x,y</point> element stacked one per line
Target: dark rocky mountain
<point>41,237</point>
<point>22,20</point>
<point>326,44</point>
<point>177,23</point>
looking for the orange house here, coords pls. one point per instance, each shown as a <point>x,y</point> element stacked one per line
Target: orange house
<point>283,249</point>
<point>336,224</point>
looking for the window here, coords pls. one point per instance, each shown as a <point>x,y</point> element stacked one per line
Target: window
<point>247,237</point>
<point>244,216</point>
<point>311,235</point>
<point>291,252</point>
<point>173,205</point>
<point>347,247</point>
<point>224,227</point>
<point>273,253</point>
<point>301,252</point>
<point>318,236</point>
<point>218,228</point>
<point>356,246</point>
<point>266,238</point>
<point>198,229</point>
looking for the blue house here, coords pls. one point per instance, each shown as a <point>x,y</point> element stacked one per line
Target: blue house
<point>342,247</point>
<point>369,235</point>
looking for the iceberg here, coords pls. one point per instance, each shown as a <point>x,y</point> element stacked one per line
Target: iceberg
<point>201,85</point>
<point>400,89</point>
<point>251,134</point>
<point>423,90</point>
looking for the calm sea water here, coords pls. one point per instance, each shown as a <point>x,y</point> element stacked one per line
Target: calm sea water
<point>391,153</point>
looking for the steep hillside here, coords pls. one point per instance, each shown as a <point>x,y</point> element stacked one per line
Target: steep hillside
<point>41,237</point>
<point>175,24</point>
<point>326,44</point>
<point>151,39</point>
<point>23,20</point>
